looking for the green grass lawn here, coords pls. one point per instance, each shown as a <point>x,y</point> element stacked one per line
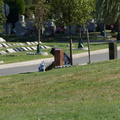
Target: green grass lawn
<point>90,92</point>
<point>59,40</point>
<point>22,56</point>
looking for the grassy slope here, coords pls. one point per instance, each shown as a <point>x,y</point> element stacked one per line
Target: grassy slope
<point>90,92</point>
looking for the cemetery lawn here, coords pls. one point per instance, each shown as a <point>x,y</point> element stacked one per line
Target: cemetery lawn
<point>22,56</point>
<point>59,40</point>
<point>89,92</point>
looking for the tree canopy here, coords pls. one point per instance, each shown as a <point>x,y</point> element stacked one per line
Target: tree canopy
<point>18,4</point>
<point>17,7</point>
<point>72,12</point>
<point>2,15</point>
<point>109,10</point>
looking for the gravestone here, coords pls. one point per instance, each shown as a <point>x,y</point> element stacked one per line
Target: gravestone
<point>73,29</point>
<point>37,42</point>
<point>30,26</point>
<point>34,48</point>
<point>10,50</point>
<point>16,49</point>
<point>19,49</point>
<point>28,48</point>
<point>1,46</point>
<point>24,48</point>
<point>21,44</point>
<point>7,28</point>
<point>33,43</point>
<point>2,40</point>
<point>46,47</point>
<point>20,28</point>
<point>2,52</point>
<point>28,43</point>
<point>42,47</point>
<point>91,26</point>
<point>5,45</point>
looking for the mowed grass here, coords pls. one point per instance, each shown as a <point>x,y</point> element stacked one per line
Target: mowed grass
<point>22,56</point>
<point>89,92</point>
<point>58,40</point>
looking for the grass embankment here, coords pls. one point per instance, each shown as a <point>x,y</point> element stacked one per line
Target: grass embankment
<point>90,92</point>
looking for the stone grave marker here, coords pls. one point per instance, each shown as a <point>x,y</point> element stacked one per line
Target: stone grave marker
<point>19,49</point>
<point>24,48</point>
<point>33,43</point>
<point>22,44</point>
<point>28,48</point>
<point>2,52</point>
<point>42,47</point>
<point>37,42</point>
<point>1,46</point>
<point>2,40</point>
<point>10,50</point>
<point>5,45</point>
<point>34,48</point>
<point>16,49</point>
<point>28,43</point>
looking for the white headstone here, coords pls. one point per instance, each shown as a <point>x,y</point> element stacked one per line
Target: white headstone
<point>2,52</point>
<point>24,48</point>
<point>28,48</point>
<point>10,50</point>
<point>1,46</point>
<point>5,45</point>
<point>2,40</point>
<point>34,48</point>
<point>28,43</point>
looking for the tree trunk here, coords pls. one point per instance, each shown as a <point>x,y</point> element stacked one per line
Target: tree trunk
<point>88,47</point>
<point>39,36</point>
<point>38,46</point>
<point>70,40</point>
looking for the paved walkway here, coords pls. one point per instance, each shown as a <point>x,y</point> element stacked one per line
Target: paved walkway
<point>47,60</point>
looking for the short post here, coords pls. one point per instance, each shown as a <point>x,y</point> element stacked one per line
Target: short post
<point>88,47</point>
<point>39,49</point>
<point>112,50</point>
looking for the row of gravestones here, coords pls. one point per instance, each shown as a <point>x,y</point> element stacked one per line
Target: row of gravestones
<point>21,48</point>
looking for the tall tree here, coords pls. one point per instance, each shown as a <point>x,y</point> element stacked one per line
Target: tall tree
<point>2,15</point>
<point>72,12</point>
<point>41,14</point>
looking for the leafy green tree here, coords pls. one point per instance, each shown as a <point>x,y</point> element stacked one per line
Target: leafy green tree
<point>17,7</point>
<point>2,15</point>
<point>29,8</point>
<point>109,10</point>
<point>41,14</point>
<point>72,12</point>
